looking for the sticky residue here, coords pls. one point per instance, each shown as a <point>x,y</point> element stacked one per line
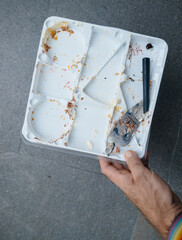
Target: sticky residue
<point>65,28</point>
<point>52,31</point>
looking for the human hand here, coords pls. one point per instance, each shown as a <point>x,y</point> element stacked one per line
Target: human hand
<point>149,193</point>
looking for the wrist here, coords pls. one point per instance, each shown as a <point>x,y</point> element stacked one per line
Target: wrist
<point>169,216</point>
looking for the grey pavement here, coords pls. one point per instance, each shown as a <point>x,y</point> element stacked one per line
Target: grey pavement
<point>51,195</point>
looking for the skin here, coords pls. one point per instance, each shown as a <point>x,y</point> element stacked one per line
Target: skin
<point>145,189</point>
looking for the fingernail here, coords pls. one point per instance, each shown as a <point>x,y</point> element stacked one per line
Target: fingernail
<point>128,154</point>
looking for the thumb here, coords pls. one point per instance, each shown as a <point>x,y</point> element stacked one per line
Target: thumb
<point>134,163</point>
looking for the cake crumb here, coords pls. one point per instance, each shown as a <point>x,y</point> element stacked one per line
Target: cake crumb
<point>79,24</point>
<point>95,131</point>
<point>36,138</point>
<point>149,46</point>
<point>89,144</point>
<point>70,105</point>
<point>119,101</point>
<point>53,33</point>
<point>54,58</point>
<point>117,108</point>
<point>117,149</point>
<point>46,47</point>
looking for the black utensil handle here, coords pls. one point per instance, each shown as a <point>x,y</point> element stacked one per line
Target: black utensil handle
<point>146,84</point>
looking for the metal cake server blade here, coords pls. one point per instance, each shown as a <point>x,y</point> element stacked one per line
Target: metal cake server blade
<point>124,130</point>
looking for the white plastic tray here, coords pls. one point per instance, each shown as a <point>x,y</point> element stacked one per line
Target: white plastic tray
<point>86,76</point>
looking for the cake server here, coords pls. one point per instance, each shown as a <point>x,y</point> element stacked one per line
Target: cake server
<point>125,128</point>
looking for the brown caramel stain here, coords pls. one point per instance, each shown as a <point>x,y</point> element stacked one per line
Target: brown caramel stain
<point>53,33</point>
<point>36,138</point>
<point>46,47</point>
<point>66,29</point>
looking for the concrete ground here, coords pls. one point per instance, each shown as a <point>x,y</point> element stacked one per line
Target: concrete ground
<point>49,195</point>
